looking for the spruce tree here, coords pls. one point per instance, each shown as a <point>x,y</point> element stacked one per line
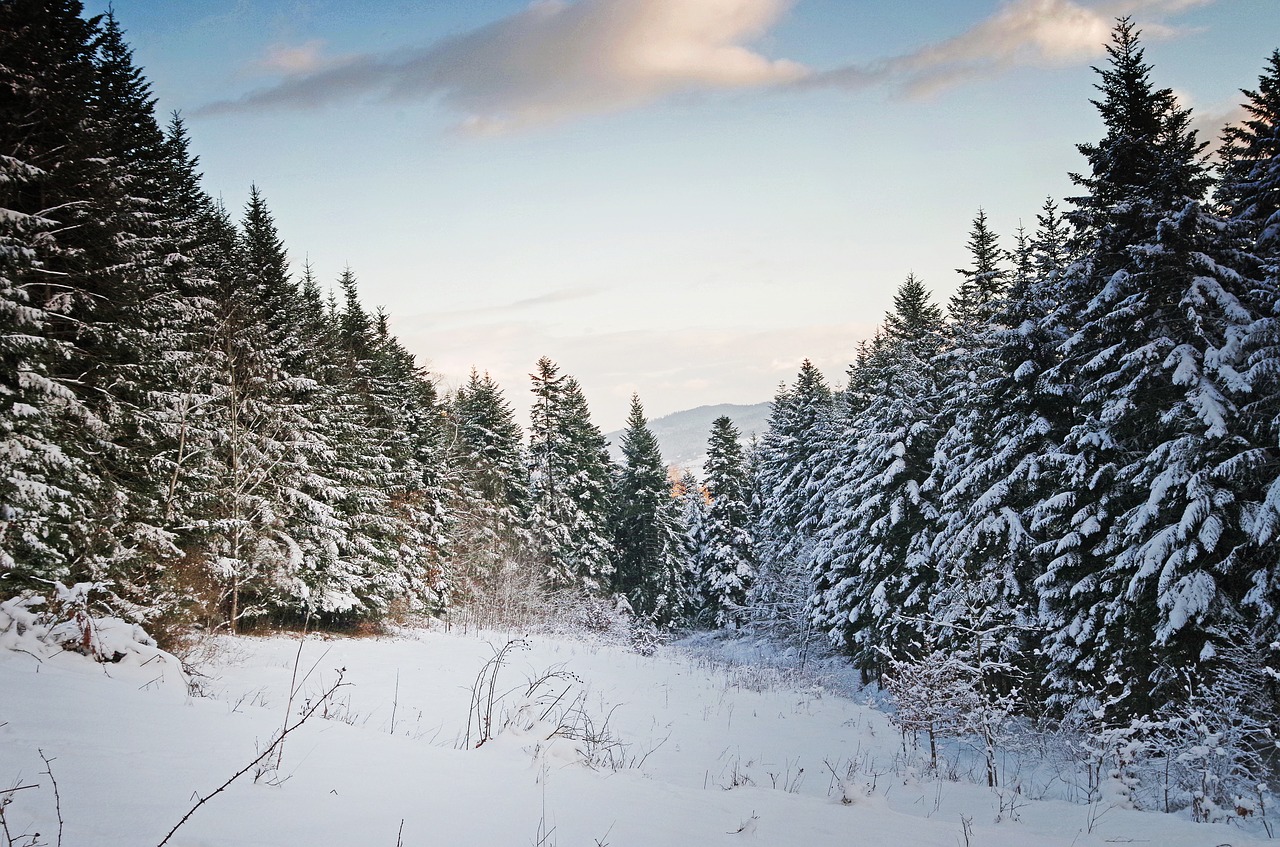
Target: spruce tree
<point>871,572</point>
<point>983,283</point>
<point>1144,539</point>
<point>488,483</point>
<point>727,557</point>
<point>569,484</point>
<point>46,432</point>
<point>1250,195</point>
<point>790,476</point>
<point>648,538</point>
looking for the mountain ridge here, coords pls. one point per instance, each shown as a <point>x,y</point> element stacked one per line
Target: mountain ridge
<point>682,436</point>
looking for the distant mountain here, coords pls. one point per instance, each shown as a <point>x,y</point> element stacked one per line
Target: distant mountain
<point>683,435</point>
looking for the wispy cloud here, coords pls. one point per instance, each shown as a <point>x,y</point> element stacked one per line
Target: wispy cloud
<point>1021,33</point>
<point>550,298</point>
<point>296,59</point>
<point>557,60</point>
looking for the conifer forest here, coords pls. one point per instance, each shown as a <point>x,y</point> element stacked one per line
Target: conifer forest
<point>1062,486</point>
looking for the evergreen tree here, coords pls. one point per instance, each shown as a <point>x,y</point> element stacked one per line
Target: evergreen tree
<point>790,476</point>
<point>46,432</point>
<point>993,466</point>
<point>1250,185</point>
<point>1250,194</point>
<point>973,302</point>
<point>727,558</point>
<point>569,484</point>
<point>490,485</point>
<point>1144,540</point>
<point>648,539</point>
<point>871,574</point>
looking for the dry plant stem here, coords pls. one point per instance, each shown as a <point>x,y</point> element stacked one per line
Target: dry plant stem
<point>293,686</point>
<point>57,798</point>
<point>271,748</point>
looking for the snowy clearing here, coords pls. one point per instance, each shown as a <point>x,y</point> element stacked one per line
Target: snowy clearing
<point>684,750</point>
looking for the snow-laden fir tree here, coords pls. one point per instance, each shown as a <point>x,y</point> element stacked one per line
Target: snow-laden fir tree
<point>489,483</point>
<point>692,499</point>
<point>872,577</point>
<point>649,546</point>
<point>787,476</point>
<point>726,559</point>
<point>46,73</point>
<point>1249,191</point>
<point>569,485</point>
<point>998,466</point>
<point>1144,542</point>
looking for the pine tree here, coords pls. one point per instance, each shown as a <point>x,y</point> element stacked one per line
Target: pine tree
<point>983,283</point>
<point>46,432</point>
<point>489,485</point>
<point>1250,195</point>
<point>569,484</point>
<point>1143,542</point>
<point>1250,185</point>
<point>790,475</point>
<point>727,557</point>
<point>870,570</point>
<point>994,465</point>
<point>648,538</point>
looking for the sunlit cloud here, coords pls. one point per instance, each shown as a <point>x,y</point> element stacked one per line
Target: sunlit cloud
<point>557,60</point>
<point>295,60</point>
<point>1043,33</point>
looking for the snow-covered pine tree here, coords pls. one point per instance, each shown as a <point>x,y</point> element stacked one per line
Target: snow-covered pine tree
<point>974,302</point>
<point>1250,185</point>
<point>569,484</point>
<point>1001,449</point>
<point>871,576</point>
<point>727,557</point>
<point>648,536</point>
<point>1145,540</point>
<point>692,498</point>
<point>788,474</point>
<point>46,485</point>
<point>488,484</point>
<point>1249,192</point>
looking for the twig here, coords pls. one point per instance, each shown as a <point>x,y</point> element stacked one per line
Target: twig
<point>400,834</point>
<point>57,798</point>
<point>293,685</point>
<point>395,703</point>
<point>264,754</point>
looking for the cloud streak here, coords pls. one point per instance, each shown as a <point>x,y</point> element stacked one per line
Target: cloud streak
<point>1037,33</point>
<point>556,60</point>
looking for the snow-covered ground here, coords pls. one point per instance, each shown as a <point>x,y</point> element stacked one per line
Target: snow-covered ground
<point>686,749</point>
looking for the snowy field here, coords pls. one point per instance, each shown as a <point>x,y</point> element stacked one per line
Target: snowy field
<point>612,748</point>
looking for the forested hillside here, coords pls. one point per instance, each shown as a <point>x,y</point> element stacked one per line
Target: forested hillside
<point>1064,487</point>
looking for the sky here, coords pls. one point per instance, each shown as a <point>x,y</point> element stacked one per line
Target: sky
<point>677,198</point>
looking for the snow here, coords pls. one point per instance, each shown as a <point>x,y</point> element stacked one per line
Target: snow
<point>718,743</point>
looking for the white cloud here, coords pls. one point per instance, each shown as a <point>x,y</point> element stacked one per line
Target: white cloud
<point>1020,33</point>
<point>293,60</point>
<point>556,60</point>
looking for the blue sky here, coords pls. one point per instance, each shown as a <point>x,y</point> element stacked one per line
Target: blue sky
<point>681,198</point>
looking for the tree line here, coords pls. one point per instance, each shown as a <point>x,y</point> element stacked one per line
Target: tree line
<point>1072,476</point>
